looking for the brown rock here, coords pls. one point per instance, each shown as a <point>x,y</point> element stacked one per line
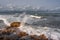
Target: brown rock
<point>34,37</point>
<point>21,34</point>
<point>10,29</point>
<point>15,24</point>
<point>43,37</point>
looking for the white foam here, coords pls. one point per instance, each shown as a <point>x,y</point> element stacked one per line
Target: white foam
<point>5,21</point>
<point>32,31</point>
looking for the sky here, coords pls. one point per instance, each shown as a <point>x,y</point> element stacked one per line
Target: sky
<point>49,4</point>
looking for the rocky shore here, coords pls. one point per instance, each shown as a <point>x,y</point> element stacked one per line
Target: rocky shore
<point>11,33</point>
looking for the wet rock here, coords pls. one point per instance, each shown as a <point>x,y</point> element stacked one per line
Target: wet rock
<point>43,37</point>
<point>11,29</point>
<point>22,34</point>
<point>34,37</point>
<point>15,24</point>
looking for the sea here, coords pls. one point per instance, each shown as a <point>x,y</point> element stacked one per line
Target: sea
<point>34,23</point>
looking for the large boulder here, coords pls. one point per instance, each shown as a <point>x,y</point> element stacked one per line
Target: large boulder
<point>15,24</point>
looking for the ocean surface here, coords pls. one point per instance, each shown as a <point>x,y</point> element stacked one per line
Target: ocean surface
<point>48,24</point>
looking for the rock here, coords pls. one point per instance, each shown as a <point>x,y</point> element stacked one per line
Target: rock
<point>7,31</point>
<point>34,37</point>
<point>22,34</point>
<point>43,37</point>
<point>15,24</point>
<point>10,29</point>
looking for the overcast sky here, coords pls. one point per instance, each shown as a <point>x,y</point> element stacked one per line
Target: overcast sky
<point>35,3</point>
